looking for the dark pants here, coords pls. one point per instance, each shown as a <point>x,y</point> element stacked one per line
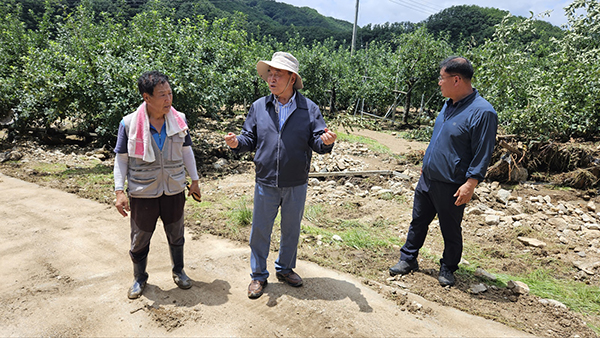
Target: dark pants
<point>431,199</point>
<point>145,213</point>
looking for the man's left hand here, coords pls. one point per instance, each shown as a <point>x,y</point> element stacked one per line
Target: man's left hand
<point>465,192</point>
<point>328,137</point>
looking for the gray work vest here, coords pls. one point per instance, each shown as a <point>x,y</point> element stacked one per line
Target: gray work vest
<point>166,175</point>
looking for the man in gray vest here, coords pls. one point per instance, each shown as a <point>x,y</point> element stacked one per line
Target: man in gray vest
<point>153,148</point>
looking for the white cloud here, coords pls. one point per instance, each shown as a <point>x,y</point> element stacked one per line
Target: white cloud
<point>381,11</point>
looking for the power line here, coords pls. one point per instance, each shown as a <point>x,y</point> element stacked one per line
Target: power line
<point>421,7</point>
<point>431,6</point>
<point>414,6</point>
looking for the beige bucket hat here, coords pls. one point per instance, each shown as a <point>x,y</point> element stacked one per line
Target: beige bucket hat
<point>280,60</point>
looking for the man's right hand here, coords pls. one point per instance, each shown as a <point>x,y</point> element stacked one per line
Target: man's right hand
<point>231,140</point>
<point>122,202</point>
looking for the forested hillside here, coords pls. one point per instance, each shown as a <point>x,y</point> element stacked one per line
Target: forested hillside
<point>264,17</point>
<point>474,24</point>
<point>70,62</point>
<point>281,21</point>
<point>68,76</point>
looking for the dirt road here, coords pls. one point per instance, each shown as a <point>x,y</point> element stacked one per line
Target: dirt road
<point>65,272</point>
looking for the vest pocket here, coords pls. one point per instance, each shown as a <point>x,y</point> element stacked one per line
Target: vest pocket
<point>175,182</point>
<point>143,183</point>
<point>176,148</point>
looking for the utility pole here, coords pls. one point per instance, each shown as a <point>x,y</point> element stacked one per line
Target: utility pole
<point>354,30</point>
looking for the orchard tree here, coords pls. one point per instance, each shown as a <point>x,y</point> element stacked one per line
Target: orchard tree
<point>555,97</point>
<point>322,65</point>
<point>417,66</point>
<point>14,43</point>
<point>510,75</point>
<point>577,69</point>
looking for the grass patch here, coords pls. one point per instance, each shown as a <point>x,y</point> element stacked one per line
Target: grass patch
<point>50,168</point>
<point>313,213</point>
<point>349,224</point>
<point>577,296</point>
<point>315,231</point>
<point>240,214</point>
<point>387,196</point>
<point>364,239</point>
<point>354,234</point>
<point>370,143</point>
<point>98,175</point>
<point>93,181</point>
<point>560,188</point>
<point>317,215</point>
<point>383,223</point>
<point>196,209</point>
<point>422,134</point>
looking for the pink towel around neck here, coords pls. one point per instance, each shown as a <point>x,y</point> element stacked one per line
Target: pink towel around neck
<point>139,143</point>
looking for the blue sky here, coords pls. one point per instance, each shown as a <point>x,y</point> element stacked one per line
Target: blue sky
<point>381,11</point>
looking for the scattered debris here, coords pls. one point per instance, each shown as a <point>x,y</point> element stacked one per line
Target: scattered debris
<point>478,288</point>
<point>518,287</point>
<point>479,272</point>
<point>532,242</point>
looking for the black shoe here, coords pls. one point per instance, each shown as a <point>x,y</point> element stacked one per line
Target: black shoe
<point>404,267</point>
<point>446,277</point>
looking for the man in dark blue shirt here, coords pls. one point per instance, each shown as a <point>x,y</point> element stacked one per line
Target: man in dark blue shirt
<point>456,160</point>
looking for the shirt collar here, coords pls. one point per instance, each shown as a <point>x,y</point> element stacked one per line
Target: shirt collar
<point>289,102</point>
<point>463,100</point>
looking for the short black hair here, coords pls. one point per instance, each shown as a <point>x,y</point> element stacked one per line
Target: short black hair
<point>149,80</point>
<point>458,65</point>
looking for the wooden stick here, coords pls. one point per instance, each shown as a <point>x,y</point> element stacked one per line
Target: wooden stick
<point>512,149</point>
<point>351,173</point>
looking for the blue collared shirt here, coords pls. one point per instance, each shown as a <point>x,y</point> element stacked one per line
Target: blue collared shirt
<point>462,142</point>
<point>286,109</point>
<point>159,138</point>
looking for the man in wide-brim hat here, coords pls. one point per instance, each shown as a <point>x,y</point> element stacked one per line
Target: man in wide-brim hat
<point>283,128</point>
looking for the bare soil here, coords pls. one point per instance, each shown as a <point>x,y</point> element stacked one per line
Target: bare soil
<point>66,268</point>
<point>66,272</point>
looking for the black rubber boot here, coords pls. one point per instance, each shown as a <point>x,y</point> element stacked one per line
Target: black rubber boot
<point>140,279</point>
<point>179,276</point>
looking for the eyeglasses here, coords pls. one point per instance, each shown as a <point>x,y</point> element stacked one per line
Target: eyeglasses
<point>440,78</point>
